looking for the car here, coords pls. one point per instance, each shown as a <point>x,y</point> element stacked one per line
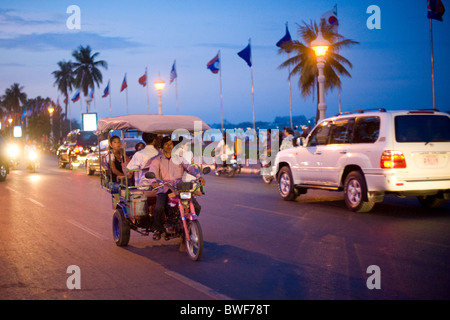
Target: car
<point>75,147</point>
<point>368,154</point>
<point>4,159</point>
<point>92,162</point>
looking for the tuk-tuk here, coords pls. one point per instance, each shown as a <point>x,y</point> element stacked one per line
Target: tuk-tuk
<point>133,205</point>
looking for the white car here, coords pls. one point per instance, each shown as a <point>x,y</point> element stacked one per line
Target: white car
<point>371,153</point>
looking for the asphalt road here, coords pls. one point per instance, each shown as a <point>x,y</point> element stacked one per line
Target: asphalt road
<point>257,247</point>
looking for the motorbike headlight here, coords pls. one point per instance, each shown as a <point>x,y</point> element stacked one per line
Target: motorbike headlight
<point>32,155</point>
<point>185,195</point>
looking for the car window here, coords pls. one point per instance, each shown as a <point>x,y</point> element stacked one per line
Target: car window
<point>422,128</point>
<point>367,130</point>
<point>319,136</point>
<point>342,131</point>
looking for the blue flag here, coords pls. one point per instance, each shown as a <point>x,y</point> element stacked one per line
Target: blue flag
<point>435,9</point>
<point>246,54</point>
<point>287,38</point>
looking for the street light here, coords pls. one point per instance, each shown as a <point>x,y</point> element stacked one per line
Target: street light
<point>159,85</point>
<point>320,47</point>
<point>51,110</point>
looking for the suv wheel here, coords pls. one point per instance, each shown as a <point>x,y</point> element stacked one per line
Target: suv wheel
<point>355,189</point>
<point>286,187</point>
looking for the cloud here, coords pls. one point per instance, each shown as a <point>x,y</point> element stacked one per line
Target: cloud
<point>65,41</point>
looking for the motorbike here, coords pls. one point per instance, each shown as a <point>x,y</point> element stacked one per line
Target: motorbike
<point>230,167</point>
<point>32,160</point>
<point>266,168</point>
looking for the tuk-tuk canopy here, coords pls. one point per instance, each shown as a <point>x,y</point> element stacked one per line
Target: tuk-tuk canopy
<point>159,124</point>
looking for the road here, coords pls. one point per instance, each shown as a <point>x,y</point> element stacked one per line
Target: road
<point>257,247</point>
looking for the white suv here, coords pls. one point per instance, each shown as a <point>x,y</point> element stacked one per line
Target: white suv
<point>370,153</point>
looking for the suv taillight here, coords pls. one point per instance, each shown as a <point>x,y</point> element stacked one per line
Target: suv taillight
<point>392,160</point>
<point>78,149</point>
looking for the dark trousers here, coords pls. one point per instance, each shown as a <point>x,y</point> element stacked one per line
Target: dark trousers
<point>160,207</point>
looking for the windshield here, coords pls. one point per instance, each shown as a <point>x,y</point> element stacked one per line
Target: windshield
<point>422,128</point>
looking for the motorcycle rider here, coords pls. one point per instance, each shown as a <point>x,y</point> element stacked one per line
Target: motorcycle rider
<point>29,147</point>
<point>169,171</point>
<point>141,158</point>
<point>224,149</point>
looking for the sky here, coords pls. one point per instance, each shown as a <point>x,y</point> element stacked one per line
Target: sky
<point>391,65</point>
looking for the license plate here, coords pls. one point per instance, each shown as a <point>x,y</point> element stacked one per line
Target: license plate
<point>430,160</point>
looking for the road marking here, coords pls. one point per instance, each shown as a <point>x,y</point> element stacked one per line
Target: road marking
<point>11,189</point>
<point>88,230</point>
<point>36,202</point>
<point>197,286</point>
<point>268,211</point>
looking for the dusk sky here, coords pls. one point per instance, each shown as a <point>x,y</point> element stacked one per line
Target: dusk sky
<point>391,65</point>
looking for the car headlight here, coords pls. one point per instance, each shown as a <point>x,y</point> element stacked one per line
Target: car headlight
<point>13,150</point>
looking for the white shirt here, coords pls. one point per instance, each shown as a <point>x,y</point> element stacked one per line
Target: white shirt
<point>139,161</point>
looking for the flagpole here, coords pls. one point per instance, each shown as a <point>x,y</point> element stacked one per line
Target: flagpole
<point>109,93</point>
<point>290,93</point>
<point>127,96</point>
<point>148,94</point>
<point>253,91</point>
<point>432,63</point>
<point>221,97</point>
<point>176,85</point>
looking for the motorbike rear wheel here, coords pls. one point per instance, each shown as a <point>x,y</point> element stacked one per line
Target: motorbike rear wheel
<point>195,245</point>
<point>121,228</point>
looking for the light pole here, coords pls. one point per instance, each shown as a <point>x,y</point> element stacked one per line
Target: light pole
<point>320,47</point>
<point>50,111</point>
<point>159,85</point>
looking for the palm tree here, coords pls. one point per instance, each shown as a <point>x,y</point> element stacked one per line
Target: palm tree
<point>64,80</point>
<point>86,70</point>
<point>14,99</point>
<point>304,63</point>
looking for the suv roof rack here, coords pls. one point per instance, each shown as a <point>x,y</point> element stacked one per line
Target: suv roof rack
<point>362,111</point>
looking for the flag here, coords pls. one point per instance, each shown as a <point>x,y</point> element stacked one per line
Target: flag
<point>173,73</point>
<point>91,94</point>
<point>286,39</point>
<point>124,83</point>
<point>65,100</point>
<point>76,96</point>
<point>106,91</point>
<point>246,54</point>
<point>435,9</point>
<point>143,79</point>
<point>214,64</point>
<point>330,17</point>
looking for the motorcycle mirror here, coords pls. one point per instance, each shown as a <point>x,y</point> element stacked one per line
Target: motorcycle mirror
<point>206,170</point>
<point>150,175</point>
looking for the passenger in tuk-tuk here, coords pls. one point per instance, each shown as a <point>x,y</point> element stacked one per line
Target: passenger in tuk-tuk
<point>141,158</point>
<point>117,158</point>
<point>169,171</point>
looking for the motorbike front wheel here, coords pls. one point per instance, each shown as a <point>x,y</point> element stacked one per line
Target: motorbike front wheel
<point>195,245</point>
<point>121,228</point>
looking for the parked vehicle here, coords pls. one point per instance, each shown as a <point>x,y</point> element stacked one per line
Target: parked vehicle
<point>93,159</point>
<point>4,160</point>
<point>75,147</point>
<point>133,206</point>
<point>369,154</point>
